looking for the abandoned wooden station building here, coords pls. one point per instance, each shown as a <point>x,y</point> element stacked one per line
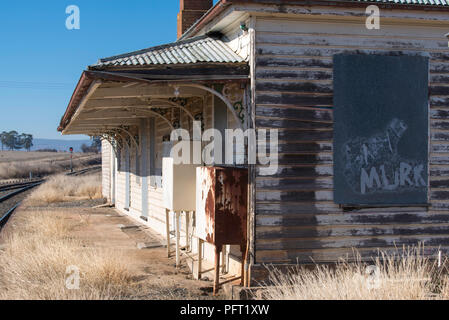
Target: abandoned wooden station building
<point>362,115</point>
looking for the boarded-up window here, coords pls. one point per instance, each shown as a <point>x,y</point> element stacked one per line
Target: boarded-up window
<point>380,129</point>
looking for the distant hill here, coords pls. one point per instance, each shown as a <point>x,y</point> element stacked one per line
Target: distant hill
<point>60,145</point>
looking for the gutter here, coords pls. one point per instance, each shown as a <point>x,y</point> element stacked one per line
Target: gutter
<point>80,90</point>
<point>89,92</point>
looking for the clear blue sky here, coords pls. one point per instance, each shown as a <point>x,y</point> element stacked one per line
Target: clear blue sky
<point>41,61</point>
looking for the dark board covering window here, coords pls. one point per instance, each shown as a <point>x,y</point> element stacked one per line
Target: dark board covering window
<point>380,130</point>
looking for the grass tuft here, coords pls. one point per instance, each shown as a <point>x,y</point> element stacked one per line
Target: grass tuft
<point>39,167</point>
<point>35,262</point>
<point>406,274</point>
<point>63,188</point>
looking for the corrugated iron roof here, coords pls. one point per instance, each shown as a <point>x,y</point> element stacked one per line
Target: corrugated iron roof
<point>194,50</point>
<point>407,2</point>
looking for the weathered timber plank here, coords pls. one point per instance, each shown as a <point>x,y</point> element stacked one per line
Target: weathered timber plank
<point>439,147</point>
<point>353,242</point>
<point>439,171</point>
<point>305,135</point>
<point>295,184</point>
<point>305,74</point>
<point>439,195</point>
<point>286,208</point>
<point>304,172</point>
<point>439,136</point>
<point>307,147</point>
<point>439,159</point>
<point>294,99</point>
<point>381,230</point>
<point>442,125</point>
<point>439,90</point>
<point>350,42</point>
<point>348,218</point>
<point>299,159</point>
<point>291,124</point>
<point>294,87</point>
<point>439,206</point>
<point>324,88</point>
<point>439,78</point>
<point>313,257</point>
<point>440,67</point>
<point>296,61</point>
<point>442,183</point>
<point>303,114</point>
<point>294,196</point>
<point>439,102</point>
<point>283,209</point>
<point>302,51</point>
<point>439,114</point>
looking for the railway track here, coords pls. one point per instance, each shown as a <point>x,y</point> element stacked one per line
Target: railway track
<point>84,171</point>
<point>13,186</point>
<point>16,190</point>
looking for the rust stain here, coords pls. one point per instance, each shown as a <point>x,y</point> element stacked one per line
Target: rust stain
<point>208,187</point>
<point>225,205</point>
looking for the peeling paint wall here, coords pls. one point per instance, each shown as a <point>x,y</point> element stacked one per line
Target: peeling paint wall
<point>296,217</point>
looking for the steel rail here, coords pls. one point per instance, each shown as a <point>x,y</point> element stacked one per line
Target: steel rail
<point>19,185</point>
<point>83,171</point>
<point>27,187</point>
<point>6,216</point>
<point>15,193</point>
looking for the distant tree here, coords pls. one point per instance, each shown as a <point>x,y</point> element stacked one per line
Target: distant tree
<point>84,148</point>
<point>96,143</point>
<point>26,141</point>
<point>95,147</point>
<point>3,137</point>
<point>13,141</point>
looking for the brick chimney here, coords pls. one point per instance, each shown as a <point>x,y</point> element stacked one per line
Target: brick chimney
<point>191,11</point>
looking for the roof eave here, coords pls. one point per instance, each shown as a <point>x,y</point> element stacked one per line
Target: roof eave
<point>224,4</point>
<point>90,76</point>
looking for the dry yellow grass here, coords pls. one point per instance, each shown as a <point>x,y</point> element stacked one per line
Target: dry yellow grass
<point>67,188</point>
<point>35,263</point>
<point>17,164</point>
<point>404,275</point>
<point>22,170</point>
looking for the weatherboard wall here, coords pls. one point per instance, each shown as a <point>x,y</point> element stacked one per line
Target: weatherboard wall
<point>106,158</point>
<point>296,217</point>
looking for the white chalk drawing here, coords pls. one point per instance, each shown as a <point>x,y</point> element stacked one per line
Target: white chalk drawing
<point>373,165</point>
